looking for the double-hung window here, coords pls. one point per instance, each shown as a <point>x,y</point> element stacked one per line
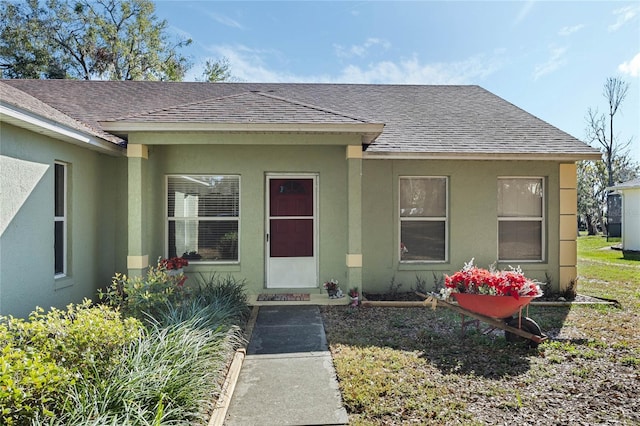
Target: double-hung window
<point>60,219</point>
<point>423,219</point>
<point>203,217</point>
<point>521,219</point>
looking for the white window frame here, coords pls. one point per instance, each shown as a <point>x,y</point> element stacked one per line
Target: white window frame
<point>198,218</point>
<point>444,219</point>
<point>542,219</point>
<point>61,219</point>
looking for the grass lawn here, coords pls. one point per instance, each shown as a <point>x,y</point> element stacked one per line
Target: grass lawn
<point>411,365</point>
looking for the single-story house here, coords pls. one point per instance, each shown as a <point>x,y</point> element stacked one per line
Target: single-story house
<point>630,192</point>
<point>284,185</point>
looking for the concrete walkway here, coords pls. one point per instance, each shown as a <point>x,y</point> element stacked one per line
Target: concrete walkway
<point>287,377</point>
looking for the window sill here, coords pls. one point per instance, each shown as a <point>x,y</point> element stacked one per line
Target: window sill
<point>421,265</point>
<point>62,281</point>
<point>204,266</point>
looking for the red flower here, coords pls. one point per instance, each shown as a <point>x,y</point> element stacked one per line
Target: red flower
<point>174,263</point>
<point>474,280</point>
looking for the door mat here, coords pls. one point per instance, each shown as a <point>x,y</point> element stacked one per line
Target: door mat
<point>284,297</point>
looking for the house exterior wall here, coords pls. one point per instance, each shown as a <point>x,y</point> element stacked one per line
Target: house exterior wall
<point>473,224</point>
<point>631,219</point>
<point>251,157</point>
<point>96,211</point>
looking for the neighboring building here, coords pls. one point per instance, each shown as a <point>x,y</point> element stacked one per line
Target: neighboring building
<point>284,185</point>
<point>630,192</point>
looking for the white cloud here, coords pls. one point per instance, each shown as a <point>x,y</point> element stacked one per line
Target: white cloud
<point>624,15</point>
<point>412,71</point>
<point>245,64</point>
<point>632,67</point>
<point>555,61</point>
<point>250,65</point>
<point>225,20</point>
<point>566,31</point>
<point>361,50</point>
<point>524,11</point>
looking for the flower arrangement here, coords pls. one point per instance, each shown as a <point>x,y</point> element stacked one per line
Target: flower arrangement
<point>474,280</point>
<point>354,295</point>
<point>331,285</point>
<point>174,263</point>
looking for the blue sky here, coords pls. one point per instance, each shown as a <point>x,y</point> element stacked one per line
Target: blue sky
<point>549,58</point>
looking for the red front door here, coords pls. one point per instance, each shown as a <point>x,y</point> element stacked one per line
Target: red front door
<point>291,242</point>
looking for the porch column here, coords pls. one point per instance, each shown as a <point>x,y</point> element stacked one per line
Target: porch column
<point>138,256</point>
<point>568,225</point>
<point>354,217</point>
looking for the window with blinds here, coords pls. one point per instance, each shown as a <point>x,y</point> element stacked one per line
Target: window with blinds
<point>203,217</point>
<point>423,219</point>
<point>520,219</point>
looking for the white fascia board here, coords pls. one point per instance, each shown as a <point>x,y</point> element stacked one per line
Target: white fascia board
<point>621,188</point>
<point>568,157</point>
<point>35,123</point>
<point>125,127</point>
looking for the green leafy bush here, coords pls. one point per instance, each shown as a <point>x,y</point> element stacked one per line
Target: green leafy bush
<point>145,296</point>
<point>30,384</point>
<point>43,357</point>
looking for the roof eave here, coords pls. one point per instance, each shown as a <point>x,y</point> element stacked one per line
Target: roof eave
<point>33,122</point>
<point>523,156</point>
<point>622,188</point>
<point>369,131</point>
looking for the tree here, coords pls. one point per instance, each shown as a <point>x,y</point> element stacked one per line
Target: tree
<point>217,71</point>
<point>617,165</point>
<point>615,90</point>
<point>23,54</point>
<point>88,39</point>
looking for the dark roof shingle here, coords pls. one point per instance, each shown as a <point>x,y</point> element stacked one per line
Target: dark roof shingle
<point>447,120</point>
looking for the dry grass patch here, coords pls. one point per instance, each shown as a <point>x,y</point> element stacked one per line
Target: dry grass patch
<point>411,366</point>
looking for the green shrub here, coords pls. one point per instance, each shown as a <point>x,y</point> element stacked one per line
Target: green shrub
<point>224,296</point>
<point>145,296</point>
<point>30,384</point>
<point>43,357</point>
<point>171,376</point>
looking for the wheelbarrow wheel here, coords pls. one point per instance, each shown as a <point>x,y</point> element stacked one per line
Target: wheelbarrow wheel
<point>528,325</point>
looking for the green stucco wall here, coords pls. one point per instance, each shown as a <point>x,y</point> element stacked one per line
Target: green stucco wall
<point>96,221</point>
<point>118,208</point>
<point>473,225</point>
<point>472,200</point>
<point>236,154</point>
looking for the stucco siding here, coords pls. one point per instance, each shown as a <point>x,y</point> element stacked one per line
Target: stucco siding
<point>94,227</point>
<point>472,227</point>
<point>252,163</point>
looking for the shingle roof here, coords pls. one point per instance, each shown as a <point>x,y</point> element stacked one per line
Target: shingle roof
<point>247,107</point>
<point>441,120</point>
<point>26,102</point>
<point>631,184</point>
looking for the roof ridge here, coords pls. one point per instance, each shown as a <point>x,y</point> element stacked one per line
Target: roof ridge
<point>153,111</point>
<point>248,92</point>
<point>315,107</point>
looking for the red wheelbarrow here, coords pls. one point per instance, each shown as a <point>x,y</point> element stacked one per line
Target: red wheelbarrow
<point>497,311</point>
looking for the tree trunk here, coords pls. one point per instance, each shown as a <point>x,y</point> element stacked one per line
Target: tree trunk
<point>591,228</point>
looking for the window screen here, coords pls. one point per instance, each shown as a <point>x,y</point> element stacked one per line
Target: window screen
<point>423,219</point>
<point>520,219</point>
<point>203,214</point>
